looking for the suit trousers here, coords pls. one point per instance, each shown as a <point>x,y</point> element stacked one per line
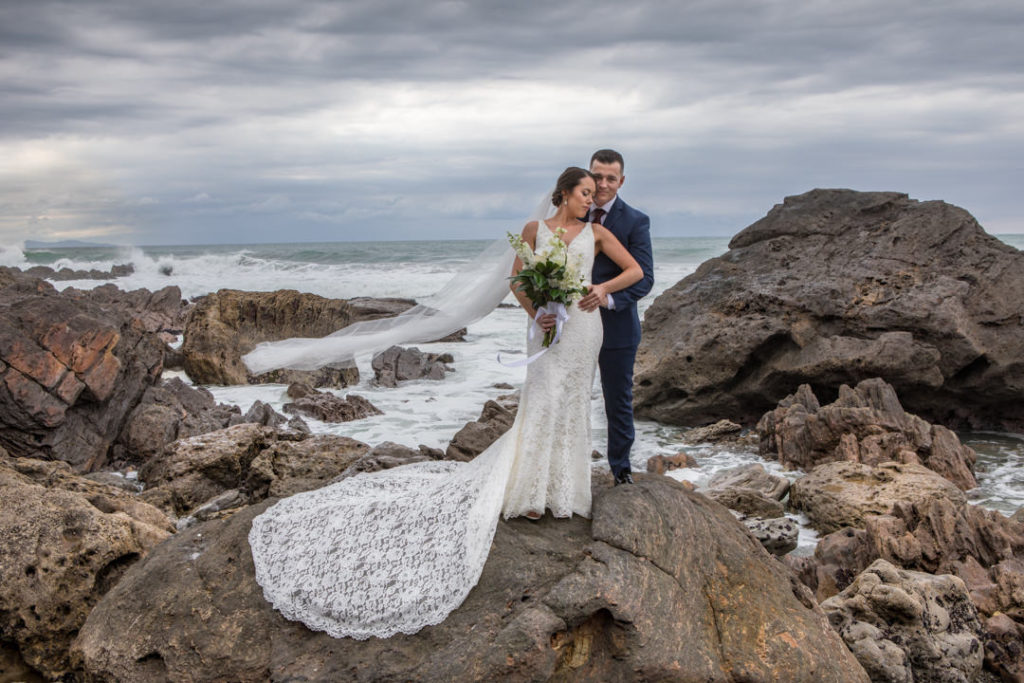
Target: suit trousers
<point>617,384</point>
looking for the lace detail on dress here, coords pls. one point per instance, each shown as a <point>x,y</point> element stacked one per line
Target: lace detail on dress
<point>396,550</point>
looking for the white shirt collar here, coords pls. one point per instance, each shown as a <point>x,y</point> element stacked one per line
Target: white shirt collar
<point>605,207</point>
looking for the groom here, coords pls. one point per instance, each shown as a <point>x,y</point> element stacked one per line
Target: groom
<point>618,313</point>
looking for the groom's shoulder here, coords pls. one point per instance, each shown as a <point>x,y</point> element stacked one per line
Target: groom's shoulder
<point>633,215</point>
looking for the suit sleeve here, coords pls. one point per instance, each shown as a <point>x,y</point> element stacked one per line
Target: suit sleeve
<point>640,247</point>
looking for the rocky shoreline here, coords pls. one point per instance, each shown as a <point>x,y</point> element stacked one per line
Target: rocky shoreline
<point>845,334</point>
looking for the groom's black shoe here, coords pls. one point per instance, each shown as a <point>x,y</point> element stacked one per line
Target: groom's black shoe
<point>623,478</point>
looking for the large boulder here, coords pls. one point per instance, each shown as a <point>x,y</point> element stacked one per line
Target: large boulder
<point>326,407</point>
<point>841,494</point>
<point>224,326</point>
<point>834,287</point>
<point>865,424</point>
<point>662,584</point>
<point>64,541</point>
<point>71,369</point>
<point>909,626</point>
<point>161,312</point>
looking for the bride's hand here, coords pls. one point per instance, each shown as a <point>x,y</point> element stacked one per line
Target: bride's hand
<point>595,297</point>
<point>547,321</point>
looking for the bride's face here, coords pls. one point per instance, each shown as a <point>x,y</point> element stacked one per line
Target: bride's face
<point>582,196</point>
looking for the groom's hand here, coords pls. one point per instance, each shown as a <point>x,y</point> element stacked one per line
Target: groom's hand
<point>593,299</point>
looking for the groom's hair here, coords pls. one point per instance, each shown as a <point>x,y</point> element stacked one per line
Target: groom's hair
<point>608,156</point>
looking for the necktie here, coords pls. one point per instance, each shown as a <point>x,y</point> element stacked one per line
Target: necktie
<point>596,216</point>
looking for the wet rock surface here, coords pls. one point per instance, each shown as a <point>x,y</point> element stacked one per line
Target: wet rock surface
<point>662,584</point>
<point>834,287</point>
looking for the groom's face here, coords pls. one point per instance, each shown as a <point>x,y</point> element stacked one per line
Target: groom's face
<point>608,178</point>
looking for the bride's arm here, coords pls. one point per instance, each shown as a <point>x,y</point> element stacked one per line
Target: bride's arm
<point>631,273</point>
<point>530,237</point>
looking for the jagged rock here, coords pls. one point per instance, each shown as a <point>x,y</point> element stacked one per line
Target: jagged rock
<point>261,413</point>
<point>661,585</point>
<point>167,412</point>
<point>833,287</point>
<point>224,326</point>
<point>749,502</point>
<point>909,626</point>
<point>495,419</point>
<point>71,369</point>
<point>778,536</point>
<point>64,541</point>
<point>256,460</point>
<point>752,476</point>
<point>161,312</point>
<point>327,407</point>
<point>660,464</point>
<point>1018,516</point>
<point>840,494</point>
<point>116,479</point>
<point>866,424</point>
<point>719,431</point>
<point>398,364</point>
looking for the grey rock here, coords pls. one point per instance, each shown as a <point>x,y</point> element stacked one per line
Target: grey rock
<point>779,536</point>
<point>834,287</point>
<point>908,626</point>
<point>327,407</point>
<point>398,364</point>
<point>752,476</point>
<point>748,502</point>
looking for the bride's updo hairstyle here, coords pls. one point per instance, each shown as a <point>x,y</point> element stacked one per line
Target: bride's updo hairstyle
<point>567,182</point>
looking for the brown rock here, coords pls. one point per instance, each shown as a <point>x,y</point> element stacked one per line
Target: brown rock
<point>752,476</point>
<point>64,541</point>
<point>748,502</point>
<point>1004,647</point>
<point>661,585</point>
<point>841,494</point>
<point>495,419</point>
<point>866,424</point>
<point>834,287</point>
<point>224,326</point>
<point>660,464</point>
<point>327,407</point>
<point>258,461</point>
<point>719,431</point>
<point>73,366</point>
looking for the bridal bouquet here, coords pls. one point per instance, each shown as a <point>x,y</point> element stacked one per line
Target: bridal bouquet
<point>549,278</point>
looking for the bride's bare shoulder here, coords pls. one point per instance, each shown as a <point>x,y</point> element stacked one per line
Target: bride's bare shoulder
<point>530,233</point>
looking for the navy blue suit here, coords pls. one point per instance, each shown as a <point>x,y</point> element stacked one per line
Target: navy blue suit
<point>622,328</point>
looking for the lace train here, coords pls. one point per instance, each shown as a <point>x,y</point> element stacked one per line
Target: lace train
<point>396,550</point>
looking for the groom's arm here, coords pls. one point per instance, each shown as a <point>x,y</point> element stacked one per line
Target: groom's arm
<point>640,248</point>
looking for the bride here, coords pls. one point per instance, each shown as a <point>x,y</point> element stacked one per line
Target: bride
<point>396,550</point>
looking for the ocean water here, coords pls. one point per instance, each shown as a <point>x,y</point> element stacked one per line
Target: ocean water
<point>426,412</point>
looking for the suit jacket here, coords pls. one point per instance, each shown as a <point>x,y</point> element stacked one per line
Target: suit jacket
<point>633,229</point>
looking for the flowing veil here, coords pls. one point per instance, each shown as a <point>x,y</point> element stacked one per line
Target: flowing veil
<point>470,295</point>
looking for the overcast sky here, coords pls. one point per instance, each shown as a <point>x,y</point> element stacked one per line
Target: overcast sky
<point>200,121</point>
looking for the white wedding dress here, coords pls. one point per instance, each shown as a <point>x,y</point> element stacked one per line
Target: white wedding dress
<point>396,550</point>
